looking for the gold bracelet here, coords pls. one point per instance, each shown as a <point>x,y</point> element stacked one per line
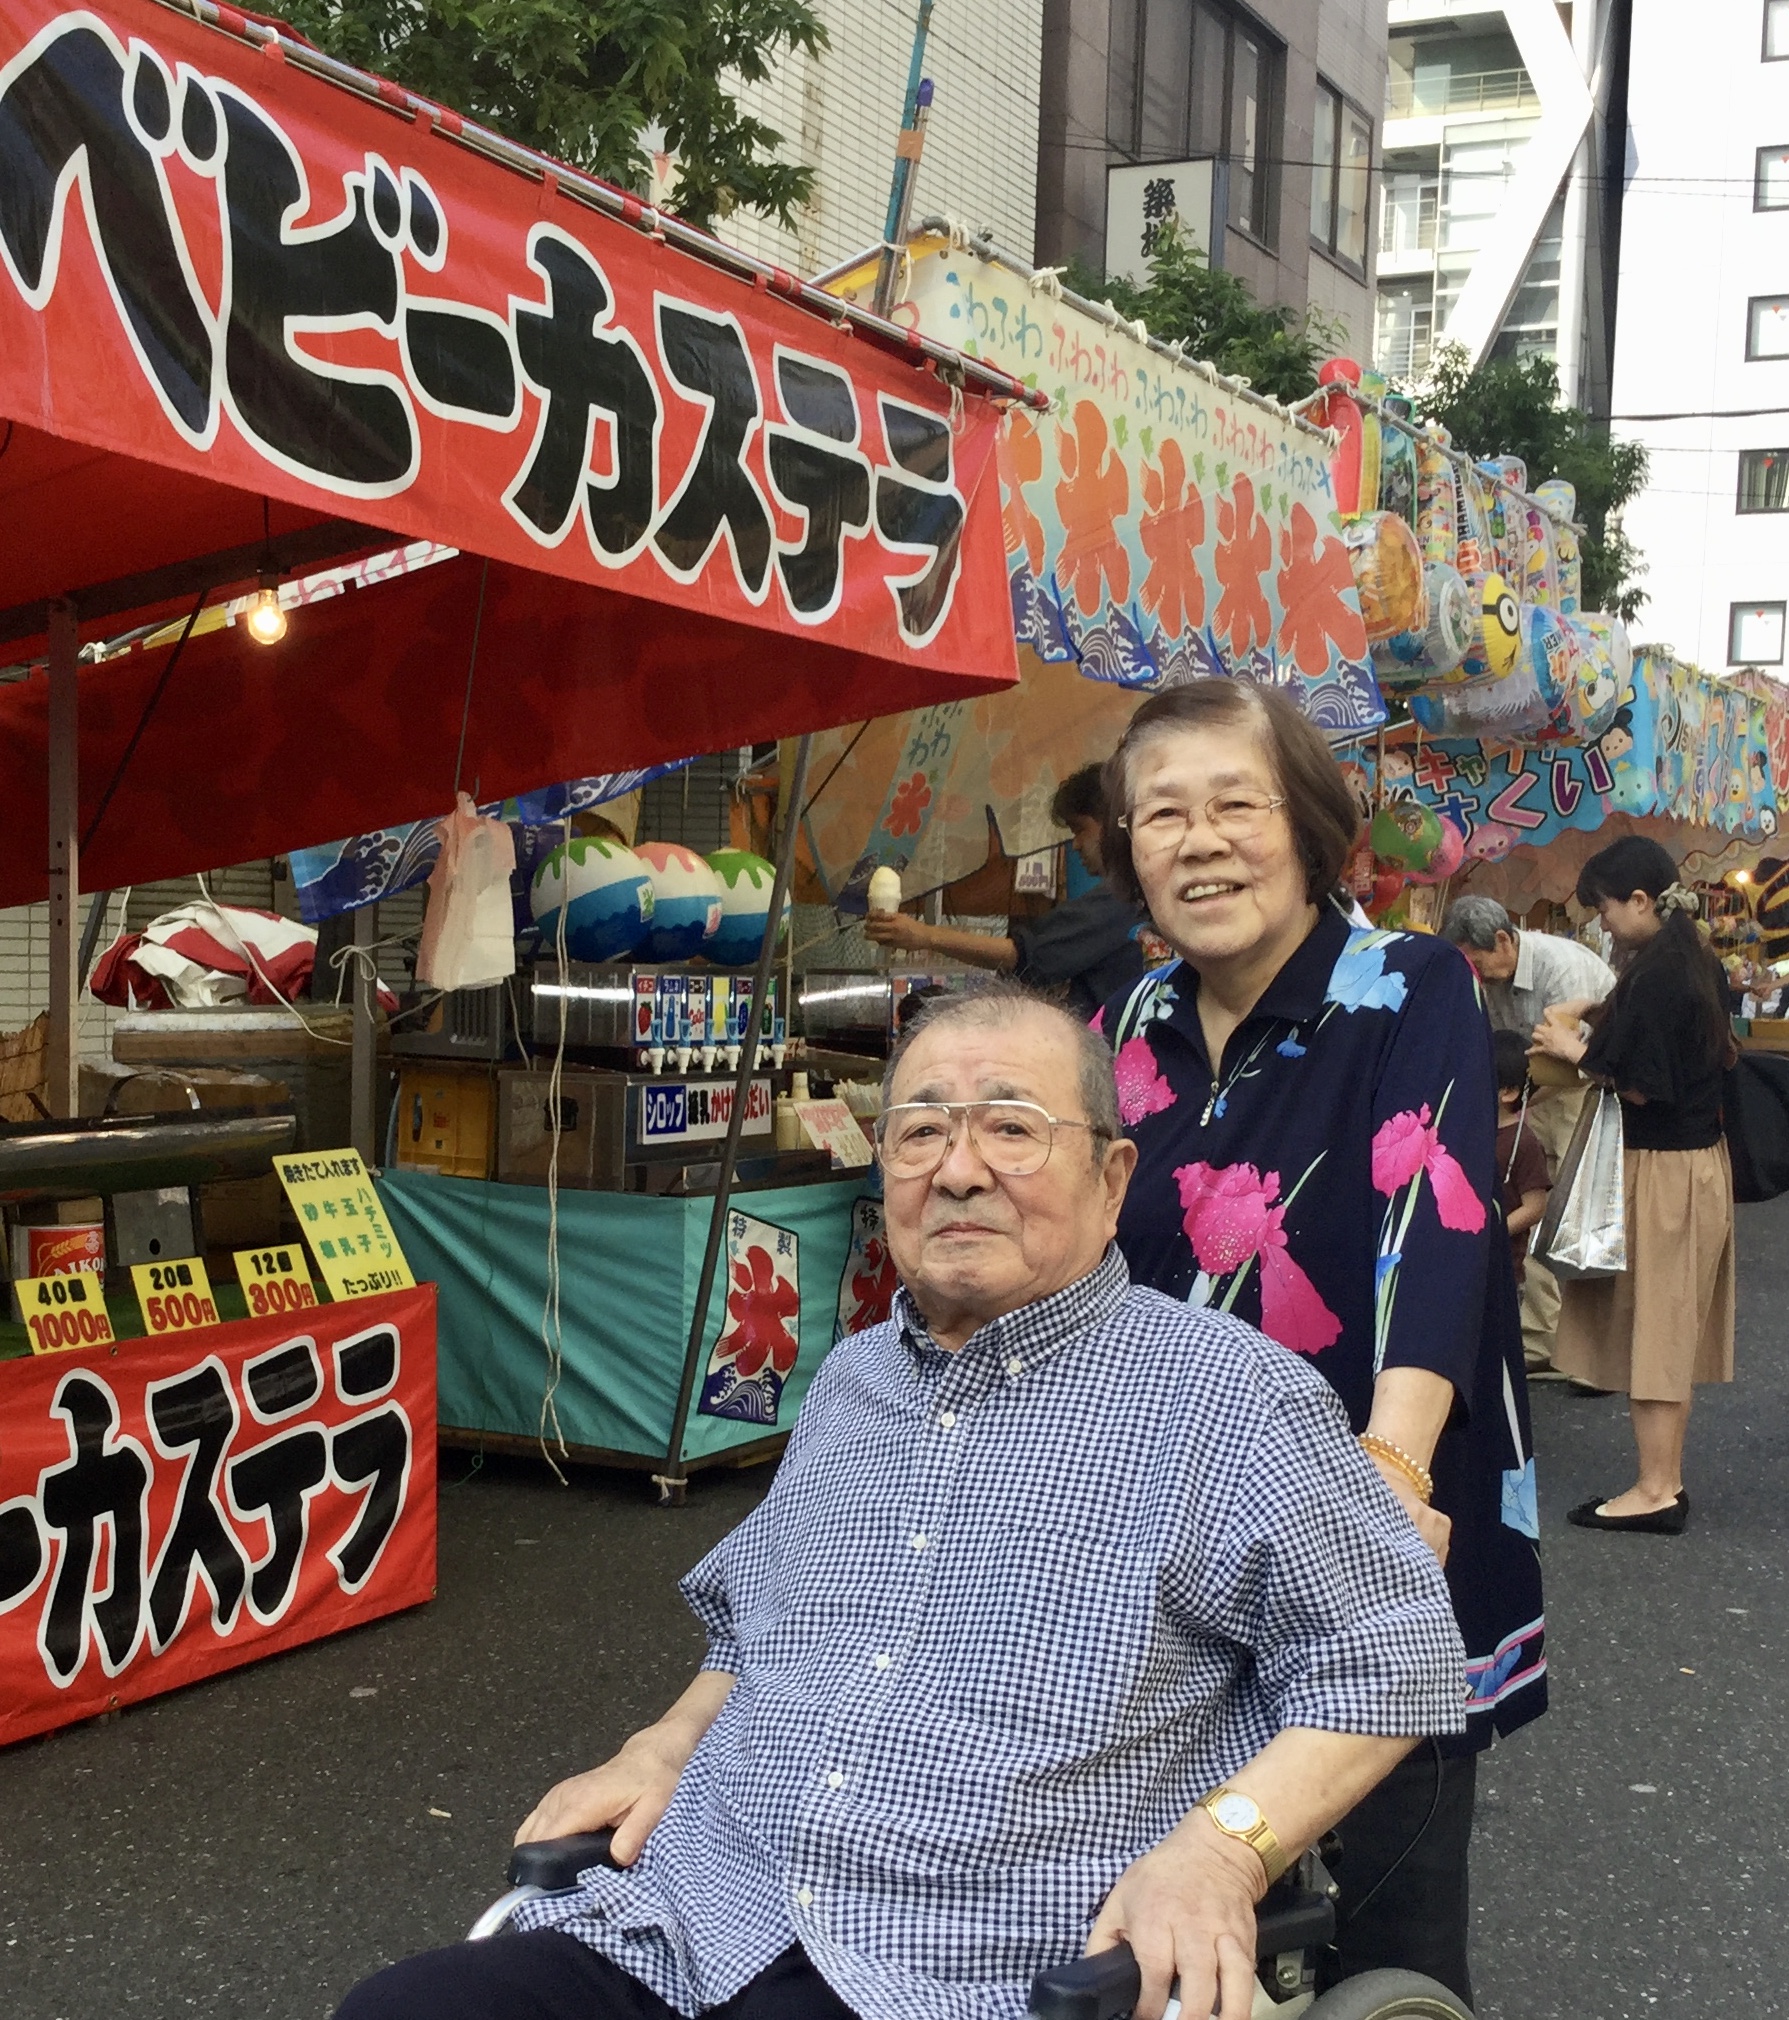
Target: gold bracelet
<point>1400,1461</point>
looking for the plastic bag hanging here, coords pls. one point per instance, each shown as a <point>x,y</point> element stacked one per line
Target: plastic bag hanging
<point>468,933</point>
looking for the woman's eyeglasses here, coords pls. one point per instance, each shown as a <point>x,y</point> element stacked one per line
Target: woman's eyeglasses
<point>1159,827</point>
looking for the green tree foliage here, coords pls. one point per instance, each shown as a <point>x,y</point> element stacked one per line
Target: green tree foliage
<point>1186,300</point>
<point>1511,407</point>
<point>579,79</point>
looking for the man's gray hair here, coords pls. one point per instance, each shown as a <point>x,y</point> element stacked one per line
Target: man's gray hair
<point>1002,1001</point>
<point>1476,922</point>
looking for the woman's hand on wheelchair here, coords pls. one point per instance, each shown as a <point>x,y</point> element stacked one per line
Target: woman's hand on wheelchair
<point>628,1794</point>
<point>1187,1909</point>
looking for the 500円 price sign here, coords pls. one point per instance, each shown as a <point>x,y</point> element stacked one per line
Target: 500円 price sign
<point>175,1297</point>
<point>274,1280</point>
<point>64,1311</point>
<point>344,1223</point>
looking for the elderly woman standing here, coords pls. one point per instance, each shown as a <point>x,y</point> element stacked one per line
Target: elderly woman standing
<point>1661,1041</point>
<point>1314,1107</point>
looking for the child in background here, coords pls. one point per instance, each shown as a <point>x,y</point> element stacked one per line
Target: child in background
<point>1521,1163</point>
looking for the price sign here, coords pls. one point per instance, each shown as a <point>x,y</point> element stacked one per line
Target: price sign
<point>830,1125</point>
<point>274,1280</point>
<point>344,1223</point>
<point>175,1296</point>
<point>65,1311</point>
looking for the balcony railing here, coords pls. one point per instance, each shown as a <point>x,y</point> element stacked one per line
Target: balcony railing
<point>1429,94</point>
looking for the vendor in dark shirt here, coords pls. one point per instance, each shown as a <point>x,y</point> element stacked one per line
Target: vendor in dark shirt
<point>1661,1041</point>
<point>1090,947</point>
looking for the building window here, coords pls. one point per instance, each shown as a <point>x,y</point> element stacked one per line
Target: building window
<point>1341,174</point>
<point>1405,328</point>
<point>1763,480</point>
<point>1189,78</point>
<point>1755,634</point>
<point>1767,326</point>
<point>1776,30</point>
<point>1770,182</point>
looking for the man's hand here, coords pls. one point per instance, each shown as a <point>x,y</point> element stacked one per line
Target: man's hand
<point>630,1792</point>
<point>895,929</point>
<point>1432,1526</point>
<point>1187,1909</point>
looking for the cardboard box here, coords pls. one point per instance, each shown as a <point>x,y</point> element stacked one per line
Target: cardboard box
<point>447,1119</point>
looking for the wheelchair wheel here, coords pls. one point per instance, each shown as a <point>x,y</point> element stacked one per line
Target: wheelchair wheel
<point>1388,1995</point>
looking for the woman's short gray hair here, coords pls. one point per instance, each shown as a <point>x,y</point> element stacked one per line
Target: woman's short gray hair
<point>1001,1001</point>
<point>1476,922</point>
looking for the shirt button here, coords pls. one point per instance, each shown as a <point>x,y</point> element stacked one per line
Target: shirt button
<point>804,1897</point>
<point>1015,1366</point>
<point>947,1420</point>
<point>880,1661</point>
<point>919,1539</point>
<point>835,1780</point>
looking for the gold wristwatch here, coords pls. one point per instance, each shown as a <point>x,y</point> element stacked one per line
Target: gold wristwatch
<point>1239,1816</point>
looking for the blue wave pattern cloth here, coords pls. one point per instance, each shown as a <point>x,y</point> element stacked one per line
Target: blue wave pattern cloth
<point>1004,1617</point>
<point>340,877</point>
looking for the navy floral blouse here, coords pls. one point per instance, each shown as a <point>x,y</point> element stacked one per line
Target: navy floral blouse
<point>1336,1186</point>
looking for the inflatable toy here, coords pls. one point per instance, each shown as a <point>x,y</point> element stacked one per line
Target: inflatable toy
<point>606,892</point>
<point>686,907</point>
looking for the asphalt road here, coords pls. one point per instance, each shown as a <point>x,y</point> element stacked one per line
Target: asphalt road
<point>252,1845</point>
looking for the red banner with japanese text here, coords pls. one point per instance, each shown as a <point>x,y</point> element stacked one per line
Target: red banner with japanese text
<point>174,1507</point>
<point>269,285</point>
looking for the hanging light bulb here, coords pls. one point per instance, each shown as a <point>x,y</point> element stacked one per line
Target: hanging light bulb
<point>266,620</point>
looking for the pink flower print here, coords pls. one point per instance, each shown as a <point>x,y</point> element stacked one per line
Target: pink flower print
<point>1228,1213</point>
<point>1406,1144</point>
<point>1141,1089</point>
<point>1231,1219</point>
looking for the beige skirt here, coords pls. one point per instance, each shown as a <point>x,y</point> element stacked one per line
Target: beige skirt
<point>1666,1323</point>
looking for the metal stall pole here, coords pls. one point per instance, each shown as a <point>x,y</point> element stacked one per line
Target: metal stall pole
<point>363,1061</point>
<point>672,1482</point>
<point>914,108</point>
<point>62,1067</point>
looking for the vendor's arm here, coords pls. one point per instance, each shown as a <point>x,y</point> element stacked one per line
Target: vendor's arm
<point>954,943</point>
<point>1187,1907</point>
<point>631,1791</point>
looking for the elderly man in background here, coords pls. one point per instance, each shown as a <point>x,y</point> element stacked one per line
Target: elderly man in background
<point>1072,1615</point>
<point>1526,976</point>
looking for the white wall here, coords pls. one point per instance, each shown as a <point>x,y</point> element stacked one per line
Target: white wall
<point>840,114</point>
<point>1692,251</point>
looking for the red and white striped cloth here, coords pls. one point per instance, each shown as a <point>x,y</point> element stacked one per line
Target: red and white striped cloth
<point>202,956</point>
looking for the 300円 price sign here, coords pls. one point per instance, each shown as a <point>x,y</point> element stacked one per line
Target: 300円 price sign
<point>274,1280</point>
<point>175,1297</point>
<point>64,1311</point>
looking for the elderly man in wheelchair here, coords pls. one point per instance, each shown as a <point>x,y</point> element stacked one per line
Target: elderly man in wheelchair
<point>1072,1620</point>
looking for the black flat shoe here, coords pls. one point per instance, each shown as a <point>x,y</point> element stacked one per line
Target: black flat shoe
<point>1670,1521</point>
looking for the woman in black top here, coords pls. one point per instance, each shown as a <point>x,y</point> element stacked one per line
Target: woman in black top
<point>1662,1041</point>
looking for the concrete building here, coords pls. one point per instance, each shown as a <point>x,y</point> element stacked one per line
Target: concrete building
<point>841,111</point>
<point>1281,96</point>
<point>1702,344</point>
<point>1499,197</point>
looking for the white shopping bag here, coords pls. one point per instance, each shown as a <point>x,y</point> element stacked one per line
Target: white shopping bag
<point>1583,1232</point>
<point>469,931</point>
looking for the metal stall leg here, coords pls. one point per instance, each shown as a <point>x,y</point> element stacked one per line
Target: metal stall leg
<point>62,1092</point>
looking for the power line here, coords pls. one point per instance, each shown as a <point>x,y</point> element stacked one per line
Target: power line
<point>1708,414</point>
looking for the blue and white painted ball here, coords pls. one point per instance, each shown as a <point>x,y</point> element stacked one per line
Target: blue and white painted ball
<point>746,884</point>
<point>607,894</point>
<point>686,901</point>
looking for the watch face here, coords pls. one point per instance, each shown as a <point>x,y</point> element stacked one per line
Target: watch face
<point>1236,1812</point>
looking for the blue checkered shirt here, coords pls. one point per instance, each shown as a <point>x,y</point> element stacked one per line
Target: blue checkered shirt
<point>1005,1615</point>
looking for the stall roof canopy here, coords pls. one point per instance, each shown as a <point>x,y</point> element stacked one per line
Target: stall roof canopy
<point>261,312</point>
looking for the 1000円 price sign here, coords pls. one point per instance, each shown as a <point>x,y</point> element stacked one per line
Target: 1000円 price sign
<point>344,1223</point>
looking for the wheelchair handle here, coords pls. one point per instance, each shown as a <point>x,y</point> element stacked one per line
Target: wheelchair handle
<point>553,1864</point>
<point>1105,1987</point>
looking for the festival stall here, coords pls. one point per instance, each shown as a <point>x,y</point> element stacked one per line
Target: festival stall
<point>266,320</point>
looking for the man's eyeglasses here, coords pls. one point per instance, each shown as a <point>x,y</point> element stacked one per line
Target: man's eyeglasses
<point>1159,827</point>
<point>1013,1138</point>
